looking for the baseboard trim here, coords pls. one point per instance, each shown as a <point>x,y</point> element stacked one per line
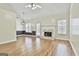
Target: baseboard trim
<point>70,44</point>
<point>7,42</point>
<point>19,35</point>
<point>61,39</point>
<point>73,48</point>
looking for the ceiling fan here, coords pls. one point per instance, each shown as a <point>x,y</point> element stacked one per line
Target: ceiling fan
<point>33,6</point>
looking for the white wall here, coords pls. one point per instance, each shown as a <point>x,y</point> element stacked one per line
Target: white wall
<point>19,26</point>
<point>7,24</point>
<point>51,22</point>
<point>46,22</point>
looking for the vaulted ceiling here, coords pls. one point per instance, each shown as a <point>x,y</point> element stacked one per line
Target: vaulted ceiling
<point>47,9</point>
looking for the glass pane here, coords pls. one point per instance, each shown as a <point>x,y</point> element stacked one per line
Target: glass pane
<point>38,29</point>
<point>30,30</point>
<point>75,26</point>
<point>27,28</point>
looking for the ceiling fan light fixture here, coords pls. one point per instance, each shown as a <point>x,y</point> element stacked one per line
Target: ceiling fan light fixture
<point>33,6</point>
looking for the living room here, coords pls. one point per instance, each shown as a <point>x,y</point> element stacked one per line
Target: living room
<point>39,29</point>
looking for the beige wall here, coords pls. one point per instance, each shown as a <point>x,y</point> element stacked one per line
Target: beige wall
<point>7,24</point>
<point>75,38</point>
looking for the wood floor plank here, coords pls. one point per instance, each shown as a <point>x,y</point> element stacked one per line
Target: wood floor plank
<point>32,46</point>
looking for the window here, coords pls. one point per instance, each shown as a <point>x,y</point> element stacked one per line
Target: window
<point>38,29</point>
<point>27,30</point>
<point>61,26</point>
<point>30,30</point>
<point>75,26</point>
<point>28,27</point>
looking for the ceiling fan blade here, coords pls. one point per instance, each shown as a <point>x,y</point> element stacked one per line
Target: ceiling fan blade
<point>38,6</point>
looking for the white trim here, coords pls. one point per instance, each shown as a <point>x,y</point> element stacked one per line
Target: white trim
<point>73,48</point>
<point>30,35</point>
<point>18,35</point>
<point>61,38</point>
<point>51,38</point>
<point>7,42</point>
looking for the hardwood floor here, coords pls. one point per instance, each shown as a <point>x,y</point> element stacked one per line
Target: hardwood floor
<point>31,46</point>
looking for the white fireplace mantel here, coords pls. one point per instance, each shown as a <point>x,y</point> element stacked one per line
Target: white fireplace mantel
<point>47,29</point>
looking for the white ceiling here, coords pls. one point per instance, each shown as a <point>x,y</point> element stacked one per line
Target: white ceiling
<point>47,9</point>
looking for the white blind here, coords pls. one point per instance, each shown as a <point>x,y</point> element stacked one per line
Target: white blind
<point>61,26</point>
<point>75,26</point>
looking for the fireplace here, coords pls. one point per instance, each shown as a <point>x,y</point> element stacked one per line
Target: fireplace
<point>48,34</point>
